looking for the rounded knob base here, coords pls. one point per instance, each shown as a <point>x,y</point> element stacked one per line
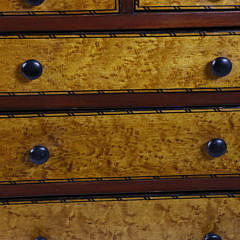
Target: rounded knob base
<point>216,147</point>
<point>39,154</point>
<point>35,2</point>
<point>212,236</point>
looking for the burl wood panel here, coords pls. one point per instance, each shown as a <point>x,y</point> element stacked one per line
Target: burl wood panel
<point>137,220</point>
<point>119,63</point>
<point>114,146</point>
<point>55,5</point>
<point>148,3</point>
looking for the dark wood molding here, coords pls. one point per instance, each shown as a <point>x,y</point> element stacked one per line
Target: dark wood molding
<point>119,22</point>
<point>127,6</point>
<point>168,185</point>
<point>118,101</point>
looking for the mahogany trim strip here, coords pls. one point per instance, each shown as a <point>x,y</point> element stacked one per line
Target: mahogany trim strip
<point>123,21</point>
<point>127,6</point>
<point>226,184</point>
<point>114,101</point>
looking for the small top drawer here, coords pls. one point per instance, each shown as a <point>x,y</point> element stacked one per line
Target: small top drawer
<point>119,63</point>
<point>56,5</point>
<point>185,4</point>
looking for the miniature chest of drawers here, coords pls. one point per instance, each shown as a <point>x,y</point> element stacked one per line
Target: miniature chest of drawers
<point>99,96</point>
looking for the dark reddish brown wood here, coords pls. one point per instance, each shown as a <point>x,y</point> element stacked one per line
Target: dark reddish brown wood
<point>199,184</point>
<point>112,22</point>
<point>119,101</point>
<point>127,6</point>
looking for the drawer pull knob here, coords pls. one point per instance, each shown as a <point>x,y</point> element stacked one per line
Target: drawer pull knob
<point>32,69</point>
<point>39,154</point>
<point>35,2</point>
<point>216,147</point>
<point>212,236</point>
<point>40,238</point>
<point>221,66</point>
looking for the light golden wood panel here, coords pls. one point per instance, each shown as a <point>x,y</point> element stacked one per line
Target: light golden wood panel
<point>137,220</point>
<point>148,3</point>
<point>55,5</point>
<point>114,146</point>
<point>77,64</point>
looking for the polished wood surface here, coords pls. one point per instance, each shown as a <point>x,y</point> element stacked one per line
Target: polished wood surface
<point>140,220</point>
<point>118,63</point>
<point>198,185</point>
<point>52,5</point>
<point>114,146</point>
<point>149,3</point>
<point>115,101</point>
<point>118,22</point>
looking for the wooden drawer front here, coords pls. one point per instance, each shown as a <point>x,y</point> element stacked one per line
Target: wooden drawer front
<point>140,220</point>
<point>119,146</point>
<point>185,4</point>
<point>56,5</point>
<point>120,63</point>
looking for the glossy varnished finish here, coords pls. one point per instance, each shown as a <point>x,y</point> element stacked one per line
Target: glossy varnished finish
<point>120,63</point>
<point>115,101</point>
<point>138,22</point>
<point>140,220</point>
<point>151,3</point>
<point>55,5</point>
<point>142,145</point>
<point>187,186</point>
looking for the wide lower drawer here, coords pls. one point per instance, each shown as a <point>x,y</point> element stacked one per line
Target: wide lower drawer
<point>119,63</point>
<point>169,4</point>
<point>55,5</point>
<point>119,146</point>
<point>140,220</point>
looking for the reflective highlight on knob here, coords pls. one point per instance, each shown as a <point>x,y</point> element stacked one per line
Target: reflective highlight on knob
<point>35,2</point>
<point>216,147</point>
<point>40,238</point>
<point>39,154</point>
<point>221,66</point>
<point>212,236</point>
<point>32,69</point>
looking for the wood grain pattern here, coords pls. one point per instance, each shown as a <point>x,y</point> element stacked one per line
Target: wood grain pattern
<point>148,3</point>
<point>117,146</point>
<point>187,186</point>
<point>140,220</point>
<point>81,64</point>
<point>118,101</point>
<point>55,5</point>
<point>118,22</point>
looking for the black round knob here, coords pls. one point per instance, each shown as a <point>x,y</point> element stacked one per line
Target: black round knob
<point>32,69</point>
<point>35,2</point>
<point>212,236</point>
<point>221,66</point>
<point>216,147</point>
<point>39,154</point>
<point>40,238</point>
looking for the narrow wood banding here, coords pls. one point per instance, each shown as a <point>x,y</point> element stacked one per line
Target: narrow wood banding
<point>116,101</point>
<point>120,187</point>
<point>116,22</point>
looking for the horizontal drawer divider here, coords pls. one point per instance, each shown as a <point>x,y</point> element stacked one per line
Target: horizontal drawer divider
<point>121,21</point>
<point>119,188</point>
<point>117,102</point>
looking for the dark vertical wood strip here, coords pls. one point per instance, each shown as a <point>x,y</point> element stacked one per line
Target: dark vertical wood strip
<point>127,6</point>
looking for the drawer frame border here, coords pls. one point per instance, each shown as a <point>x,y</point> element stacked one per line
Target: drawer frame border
<point>230,182</point>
